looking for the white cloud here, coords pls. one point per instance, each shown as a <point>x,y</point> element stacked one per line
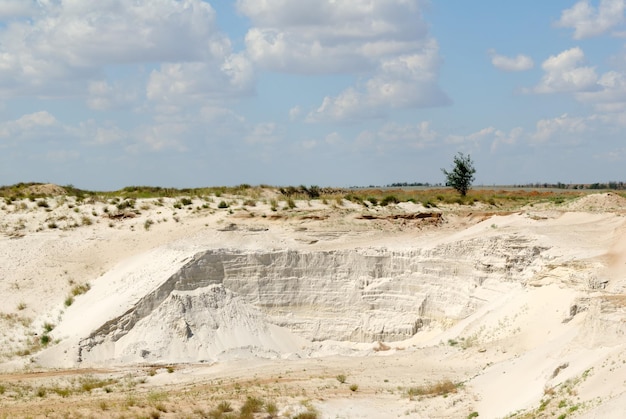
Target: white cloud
<point>104,96</point>
<point>386,42</point>
<point>610,95</point>
<point>564,129</point>
<point>333,138</point>
<point>517,63</point>
<point>588,21</point>
<point>264,133</point>
<point>183,83</point>
<point>27,126</point>
<point>10,9</point>
<point>64,47</point>
<point>295,112</point>
<point>564,73</point>
<point>406,81</point>
<point>328,36</point>
<point>393,134</point>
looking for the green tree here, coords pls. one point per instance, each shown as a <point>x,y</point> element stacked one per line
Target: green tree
<point>462,174</point>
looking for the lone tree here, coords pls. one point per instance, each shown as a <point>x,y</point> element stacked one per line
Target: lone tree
<point>462,175</point>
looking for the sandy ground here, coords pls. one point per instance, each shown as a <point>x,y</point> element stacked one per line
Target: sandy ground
<point>548,341</point>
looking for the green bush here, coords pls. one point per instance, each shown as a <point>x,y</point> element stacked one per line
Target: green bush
<point>389,199</point>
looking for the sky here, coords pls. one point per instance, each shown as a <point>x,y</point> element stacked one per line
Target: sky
<point>188,93</point>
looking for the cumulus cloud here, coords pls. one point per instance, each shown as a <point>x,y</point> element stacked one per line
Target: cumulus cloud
<point>610,95</point>
<point>103,95</point>
<point>393,134</point>
<point>564,128</point>
<point>27,123</point>
<point>588,21</point>
<point>329,36</point>
<point>406,81</point>
<point>178,83</point>
<point>65,48</point>
<point>264,133</point>
<point>517,63</point>
<point>564,73</point>
<point>386,42</point>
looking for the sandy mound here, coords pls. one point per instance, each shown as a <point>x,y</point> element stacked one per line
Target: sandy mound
<point>598,202</point>
<point>48,189</point>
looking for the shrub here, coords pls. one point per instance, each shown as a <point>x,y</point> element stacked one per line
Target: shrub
<point>354,387</point>
<point>80,289</point>
<point>271,409</point>
<point>389,199</point>
<point>186,201</point>
<point>147,224</point>
<point>222,205</point>
<point>252,405</point>
<point>224,407</point>
<point>341,378</point>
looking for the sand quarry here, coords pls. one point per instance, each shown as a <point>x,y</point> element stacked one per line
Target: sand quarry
<point>176,308</point>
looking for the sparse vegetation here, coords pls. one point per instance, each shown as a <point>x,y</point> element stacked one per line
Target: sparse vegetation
<point>436,389</point>
<point>341,378</point>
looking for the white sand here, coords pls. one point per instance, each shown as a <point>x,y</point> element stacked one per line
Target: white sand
<point>517,332</point>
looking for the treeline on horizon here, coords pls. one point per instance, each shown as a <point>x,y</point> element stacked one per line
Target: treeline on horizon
<point>313,191</point>
<point>614,185</point>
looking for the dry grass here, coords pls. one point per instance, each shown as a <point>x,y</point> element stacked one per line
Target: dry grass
<point>440,388</point>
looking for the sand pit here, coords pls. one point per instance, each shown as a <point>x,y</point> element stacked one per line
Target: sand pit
<point>522,312</point>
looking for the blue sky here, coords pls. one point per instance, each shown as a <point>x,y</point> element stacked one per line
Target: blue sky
<point>191,93</point>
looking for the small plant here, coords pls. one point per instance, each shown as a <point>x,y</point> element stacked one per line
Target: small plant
<point>186,201</point>
<point>354,387</point>
<point>86,221</point>
<point>472,415</point>
<point>44,340</point>
<point>47,327</point>
<point>441,388</point>
<point>69,301</point>
<point>21,306</point>
<point>147,224</point>
<point>52,225</point>
<point>224,407</point>
<point>341,378</point>
<point>80,289</point>
<point>252,405</point>
<point>222,205</point>
<point>271,409</point>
